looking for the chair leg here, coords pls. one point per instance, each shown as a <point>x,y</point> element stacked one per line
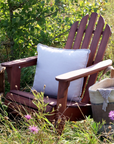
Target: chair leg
<point>61,105</point>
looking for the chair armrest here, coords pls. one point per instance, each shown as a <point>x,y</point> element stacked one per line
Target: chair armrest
<point>13,69</point>
<point>65,79</point>
<point>25,62</point>
<point>73,75</point>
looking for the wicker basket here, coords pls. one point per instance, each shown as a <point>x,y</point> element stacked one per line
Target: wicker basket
<point>97,100</point>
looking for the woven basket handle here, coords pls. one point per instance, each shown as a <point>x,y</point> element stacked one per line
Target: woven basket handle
<point>106,70</point>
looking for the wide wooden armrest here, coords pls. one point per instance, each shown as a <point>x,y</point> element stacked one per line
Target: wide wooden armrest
<point>13,69</point>
<point>25,62</point>
<point>73,75</point>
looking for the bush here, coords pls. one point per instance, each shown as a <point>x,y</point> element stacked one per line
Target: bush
<point>25,23</point>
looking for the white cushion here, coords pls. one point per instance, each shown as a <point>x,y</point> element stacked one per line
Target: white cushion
<point>55,61</point>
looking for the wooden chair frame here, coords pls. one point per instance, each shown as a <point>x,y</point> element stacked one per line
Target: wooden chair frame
<point>92,35</point>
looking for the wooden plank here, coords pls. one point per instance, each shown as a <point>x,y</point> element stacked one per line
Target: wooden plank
<point>103,44</point>
<point>20,100</point>
<point>80,32</point>
<point>28,95</point>
<point>50,101</point>
<point>72,113</point>
<point>25,62</point>
<point>76,74</point>
<point>99,57</point>
<point>71,35</point>
<point>14,75</point>
<point>62,95</point>
<point>17,109</point>
<point>89,30</point>
<point>95,41</point>
<point>94,45</point>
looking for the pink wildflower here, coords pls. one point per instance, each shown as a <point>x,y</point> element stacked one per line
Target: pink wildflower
<point>111,115</point>
<point>28,116</point>
<point>33,129</point>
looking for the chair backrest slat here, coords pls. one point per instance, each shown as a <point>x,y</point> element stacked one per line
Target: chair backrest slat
<point>95,41</point>
<point>71,35</point>
<point>93,38</point>
<point>80,32</point>
<point>89,30</point>
<point>94,44</point>
<point>103,44</point>
<point>99,57</point>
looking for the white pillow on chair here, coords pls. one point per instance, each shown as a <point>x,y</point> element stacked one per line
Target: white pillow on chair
<point>55,61</point>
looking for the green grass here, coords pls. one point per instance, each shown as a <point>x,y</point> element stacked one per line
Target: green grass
<point>16,130</point>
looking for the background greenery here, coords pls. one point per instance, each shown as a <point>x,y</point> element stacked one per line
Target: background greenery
<point>25,23</point>
<point>16,130</point>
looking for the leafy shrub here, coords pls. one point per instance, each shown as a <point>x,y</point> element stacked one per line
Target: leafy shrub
<point>25,23</point>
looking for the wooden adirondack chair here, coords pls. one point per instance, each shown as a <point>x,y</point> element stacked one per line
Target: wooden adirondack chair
<point>95,37</point>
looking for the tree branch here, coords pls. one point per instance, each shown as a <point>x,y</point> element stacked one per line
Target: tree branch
<point>38,18</point>
<point>50,14</point>
<point>60,34</point>
<point>20,5</point>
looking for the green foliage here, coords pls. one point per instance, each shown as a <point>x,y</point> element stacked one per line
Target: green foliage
<point>108,16</point>
<point>17,130</point>
<point>3,109</point>
<point>27,77</point>
<point>25,23</point>
<point>46,22</point>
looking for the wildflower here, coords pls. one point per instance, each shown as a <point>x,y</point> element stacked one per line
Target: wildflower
<point>58,137</point>
<point>35,99</point>
<point>59,120</point>
<point>16,86</point>
<point>110,123</point>
<point>28,116</point>
<point>109,127</point>
<point>33,129</point>
<point>47,97</point>
<point>44,86</point>
<point>60,105</point>
<point>53,122</point>
<point>111,115</point>
<point>6,118</point>
<point>72,127</point>
<point>35,92</point>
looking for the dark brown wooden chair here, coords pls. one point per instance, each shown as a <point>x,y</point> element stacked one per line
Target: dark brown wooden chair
<point>91,33</point>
